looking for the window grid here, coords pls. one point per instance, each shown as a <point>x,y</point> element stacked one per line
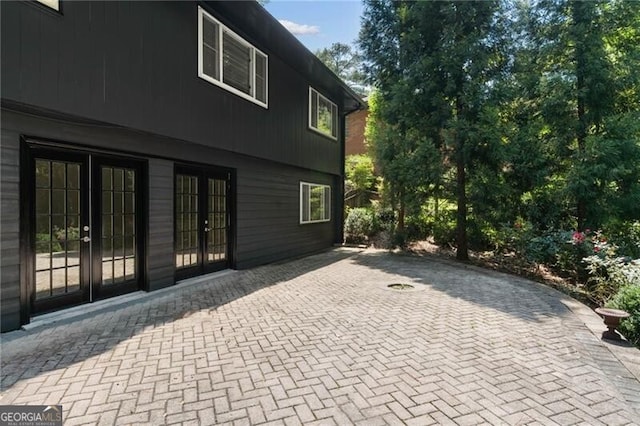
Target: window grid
<point>212,69</point>
<point>57,267</point>
<point>217,221</point>
<point>118,225</point>
<point>315,203</point>
<point>186,221</point>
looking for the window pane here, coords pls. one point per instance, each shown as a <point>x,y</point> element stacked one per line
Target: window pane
<point>210,46</point>
<point>325,121</point>
<point>118,179</point>
<point>236,64</point>
<point>261,77</point>
<point>334,121</point>
<point>73,176</point>
<point>58,172</point>
<point>315,203</point>
<point>327,203</point>
<point>42,173</point>
<point>316,199</point>
<point>107,179</point>
<point>314,109</point>
<point>324,114</point>
<point>305,203</point>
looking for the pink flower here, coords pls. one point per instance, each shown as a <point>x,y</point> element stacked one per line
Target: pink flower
<point>578,237</point>
<point>596,249</point>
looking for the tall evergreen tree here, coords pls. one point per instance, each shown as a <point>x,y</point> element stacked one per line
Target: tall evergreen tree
<point>345,62</point>
<point>566,84</point>
<point>432,63</point>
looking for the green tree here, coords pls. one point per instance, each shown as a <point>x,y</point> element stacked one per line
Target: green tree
<point>434,66</point>
<point>360,179</point>
<point>345,62</point>
<point>573,111</point>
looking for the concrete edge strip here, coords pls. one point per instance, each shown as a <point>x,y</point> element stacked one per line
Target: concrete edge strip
<point>125,300</point>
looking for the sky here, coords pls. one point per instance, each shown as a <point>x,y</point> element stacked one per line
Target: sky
<point>319,23</point>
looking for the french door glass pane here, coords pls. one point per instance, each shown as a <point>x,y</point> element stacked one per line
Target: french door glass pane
<point>186,221</point>
<point>216,217</point>
<point>119,261</point>
<point>57,245</point>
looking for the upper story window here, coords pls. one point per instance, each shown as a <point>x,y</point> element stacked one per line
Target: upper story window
<point>323,114</point>
<point>227,60</point>
<point>315,203</point>
<point>53,4</point>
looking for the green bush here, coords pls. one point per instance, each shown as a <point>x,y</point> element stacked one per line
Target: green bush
<point>626,236</point>
<point>513,238</point>
<point>384,219</point>
<point>358,226</point>
<point>416,227</point>
<point>444,233</point>
<point>628,299</point>
<point>572,250</point>
<point>544,249</point>
<point>43,241</point>
<point>608,272</point>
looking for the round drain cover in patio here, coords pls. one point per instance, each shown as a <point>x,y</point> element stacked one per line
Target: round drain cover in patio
<point>400,286</point>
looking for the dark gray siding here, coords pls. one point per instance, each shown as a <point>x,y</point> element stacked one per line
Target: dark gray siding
<point>267,199</point>
<point>160,260</point>
<point>134,64</point>
<point>9,229</point>
<point>269,215</point>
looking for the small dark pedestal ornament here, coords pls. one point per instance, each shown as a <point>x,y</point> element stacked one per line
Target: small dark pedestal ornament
<point>612,318</point>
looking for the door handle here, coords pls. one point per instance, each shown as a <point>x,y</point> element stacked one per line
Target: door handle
<point>206,229</point>
<point>86,239</point>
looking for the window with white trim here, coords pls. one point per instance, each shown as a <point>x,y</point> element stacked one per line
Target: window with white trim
<point>53,4</point>
<point>315,203</point>
<point>227,60</point>
<point>323,114</point>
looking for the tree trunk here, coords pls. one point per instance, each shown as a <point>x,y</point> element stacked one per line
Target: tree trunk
<point>401,214</point>
<point>462,252</point>
<point>579,11</point>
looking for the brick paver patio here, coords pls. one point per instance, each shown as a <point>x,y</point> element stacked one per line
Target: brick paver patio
<point>322,340</point>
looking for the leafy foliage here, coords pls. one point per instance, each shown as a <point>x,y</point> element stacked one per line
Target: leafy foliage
<point>512,112</point>
<point>346,63</point>
<point>359,172</point>
<point>433,64</point>
<point>628,299</point>
<point>358,226</point>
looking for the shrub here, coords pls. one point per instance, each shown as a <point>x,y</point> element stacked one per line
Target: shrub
<point>358,226</point>
<point>544,249</point>
<point>513,238</point>
<point>444,233</point>
<point>416,227</point>
<point>628,299</point>
<point>608,273</point>
<point>575,247</point>
<point>626,236</point>
<point>384,219</point>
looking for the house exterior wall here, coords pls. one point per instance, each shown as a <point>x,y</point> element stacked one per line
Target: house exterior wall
<point>267,200</point>
<point>9,229</point>
<point>135,64</point>
<point>121,78</point>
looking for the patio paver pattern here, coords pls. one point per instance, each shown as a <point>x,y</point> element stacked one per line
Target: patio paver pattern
<point>322,340</point>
